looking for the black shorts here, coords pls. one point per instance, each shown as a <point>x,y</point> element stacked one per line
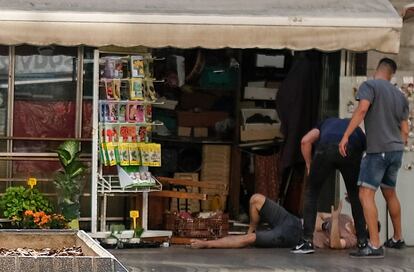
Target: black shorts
<point>285,228</point>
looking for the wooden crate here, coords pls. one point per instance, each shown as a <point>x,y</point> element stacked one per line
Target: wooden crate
<point>193,204</point>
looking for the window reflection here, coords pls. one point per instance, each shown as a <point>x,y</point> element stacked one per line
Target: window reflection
<point>4,75</point>
<point>44,96</point>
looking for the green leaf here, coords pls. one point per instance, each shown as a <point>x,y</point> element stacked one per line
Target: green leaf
<point>72,147</point>
<point>75,168</point>
<point>64,156</point>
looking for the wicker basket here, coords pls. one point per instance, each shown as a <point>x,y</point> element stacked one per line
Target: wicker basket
<point>214,227</point>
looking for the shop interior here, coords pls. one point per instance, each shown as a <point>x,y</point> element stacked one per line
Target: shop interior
<point>221,116</point>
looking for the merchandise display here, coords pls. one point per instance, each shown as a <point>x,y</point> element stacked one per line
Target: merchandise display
<point>125,118</point>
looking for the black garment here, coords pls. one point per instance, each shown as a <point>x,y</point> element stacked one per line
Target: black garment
<point>326,160</point>
<point>285,228</point>
<point>297,104</point>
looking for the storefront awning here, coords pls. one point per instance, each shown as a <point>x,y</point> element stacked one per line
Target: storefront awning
<point>327,25</point>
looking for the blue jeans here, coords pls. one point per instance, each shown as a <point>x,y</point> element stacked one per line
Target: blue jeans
<point>380,169</point>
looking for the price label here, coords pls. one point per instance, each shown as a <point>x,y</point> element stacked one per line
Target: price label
<point>134,214</point>
<point>31,182</point>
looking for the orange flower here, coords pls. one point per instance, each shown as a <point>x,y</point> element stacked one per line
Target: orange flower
<point>28,213</point>
<point>45,220</point>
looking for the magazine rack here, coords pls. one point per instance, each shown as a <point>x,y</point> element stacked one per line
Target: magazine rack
<point>124,183</point>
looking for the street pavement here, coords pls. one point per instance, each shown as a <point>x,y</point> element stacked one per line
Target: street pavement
<point>183,259</point>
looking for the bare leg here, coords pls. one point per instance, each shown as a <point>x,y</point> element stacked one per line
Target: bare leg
<point>394,209</point>
<point>335,235</point>
<point>232,241</point>
<point>256,204</point>
<point>367,198</point>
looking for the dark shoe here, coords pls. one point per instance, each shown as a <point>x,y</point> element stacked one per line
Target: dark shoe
<point>362,244</point>
<point>368,252</point>
<point>303,247</point>
<point>391,244</point>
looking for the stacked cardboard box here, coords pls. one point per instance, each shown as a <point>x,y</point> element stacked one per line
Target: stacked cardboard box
<point>216,168</point>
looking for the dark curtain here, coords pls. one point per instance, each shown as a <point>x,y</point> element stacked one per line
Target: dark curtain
<point>297,104</point>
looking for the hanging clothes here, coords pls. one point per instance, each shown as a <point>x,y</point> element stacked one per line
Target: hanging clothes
<point>297,103</point>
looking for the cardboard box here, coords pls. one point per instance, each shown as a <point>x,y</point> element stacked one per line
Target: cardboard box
<point>200,132</point>
<point>259,131</point>
<point>260,93</point>
<point>184,131</point>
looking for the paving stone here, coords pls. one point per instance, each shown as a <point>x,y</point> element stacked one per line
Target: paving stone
<point>27,264</point>
<point>7,264</point>
<point>45,264</point>
<point>84,264</point>
<point>63,264</point>
<point>103,264</point>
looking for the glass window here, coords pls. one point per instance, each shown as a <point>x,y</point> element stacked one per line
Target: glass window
<point>45,96</point>
<point>4,85</point>
<point>87,103</point>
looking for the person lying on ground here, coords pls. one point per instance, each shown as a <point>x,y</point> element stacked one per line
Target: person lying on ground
<point>285,229</point>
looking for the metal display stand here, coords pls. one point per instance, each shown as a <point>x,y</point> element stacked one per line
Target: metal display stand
<point>109,185</point>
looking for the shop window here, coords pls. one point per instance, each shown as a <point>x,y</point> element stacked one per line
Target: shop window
<point>87,105</point>
<point>44,105</point>
<point>4,77</point>
<point>361,64</point>
<point>4,84</point>
<point>44,96</point>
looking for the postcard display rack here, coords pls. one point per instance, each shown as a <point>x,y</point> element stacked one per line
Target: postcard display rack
<point>123,96</point>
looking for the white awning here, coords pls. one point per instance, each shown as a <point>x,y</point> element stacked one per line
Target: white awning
<point>295,24</point>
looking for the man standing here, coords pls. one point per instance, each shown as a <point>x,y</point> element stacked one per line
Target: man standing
<point>384,110</point>
<point>324,139</point>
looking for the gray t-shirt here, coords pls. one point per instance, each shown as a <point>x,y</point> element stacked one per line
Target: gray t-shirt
<point>383,120</point>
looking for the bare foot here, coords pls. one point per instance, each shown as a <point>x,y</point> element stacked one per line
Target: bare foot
<point>335,235</point>
<point>196,243</point>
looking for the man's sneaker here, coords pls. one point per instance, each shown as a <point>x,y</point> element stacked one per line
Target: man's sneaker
<point>391,243</point>
<point>368,252</point>
<point>303,247</point>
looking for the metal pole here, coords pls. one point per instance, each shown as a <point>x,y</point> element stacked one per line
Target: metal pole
<point>79,93</point>
<point>10,109</point>
<point>94,189</point>
<point>145,210</point>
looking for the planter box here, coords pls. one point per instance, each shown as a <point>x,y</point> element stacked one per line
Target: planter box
<point>95,258</point>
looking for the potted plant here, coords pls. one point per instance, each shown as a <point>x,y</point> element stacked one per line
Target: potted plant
<point>69,182</point>
<point>18,199</point>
